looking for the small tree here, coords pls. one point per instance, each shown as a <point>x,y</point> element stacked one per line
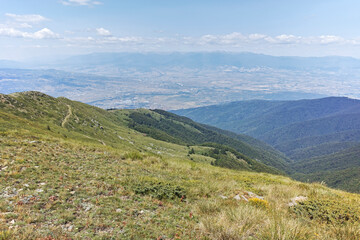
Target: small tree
<point>192,151</point>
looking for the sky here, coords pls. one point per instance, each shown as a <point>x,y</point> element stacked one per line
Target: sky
<point>41,29</point>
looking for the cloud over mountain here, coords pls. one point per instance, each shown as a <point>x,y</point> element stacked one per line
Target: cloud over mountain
<point>81,2</point>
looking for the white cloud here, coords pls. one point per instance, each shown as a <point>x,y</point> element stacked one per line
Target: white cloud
<point>256,36</point>
<point>103,32</point>
<point>107,40</point>
<point>32,18</point>
<point>44,33</point>
<point>284,39</point>
<point>331,39</point>
<point>233,40</point>
<point>81,2</point>
<point>238,39</point>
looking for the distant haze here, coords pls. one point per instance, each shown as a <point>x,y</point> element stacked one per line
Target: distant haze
<point>183,80</point>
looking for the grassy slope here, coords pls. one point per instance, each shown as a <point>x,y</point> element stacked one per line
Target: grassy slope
<point>61,183</point>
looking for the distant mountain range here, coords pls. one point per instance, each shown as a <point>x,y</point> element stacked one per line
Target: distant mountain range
<point>322,136</point>
<point>146,61</point>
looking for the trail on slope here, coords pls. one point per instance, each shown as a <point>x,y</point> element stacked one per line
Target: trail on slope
<point>67,116</point>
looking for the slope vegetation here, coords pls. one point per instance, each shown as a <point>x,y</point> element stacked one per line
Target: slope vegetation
<point>310,132</point>
<point>169,127</point>
<point>95,178</point>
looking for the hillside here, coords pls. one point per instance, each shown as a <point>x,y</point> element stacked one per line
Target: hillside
<point>303,130</point>
<point>169,127</point>
<point>72,171</point>
<point>96,125</point>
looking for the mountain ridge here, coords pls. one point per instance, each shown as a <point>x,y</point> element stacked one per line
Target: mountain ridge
<point>303,130</point>
<point>92,176</point>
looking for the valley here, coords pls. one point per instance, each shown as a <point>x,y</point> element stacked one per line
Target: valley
<point>319,135</point>
<point>183,80</point>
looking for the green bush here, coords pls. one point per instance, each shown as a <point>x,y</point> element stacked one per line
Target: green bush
<point>134,156</point>
<point>329,211</point>
<point>159,189</point>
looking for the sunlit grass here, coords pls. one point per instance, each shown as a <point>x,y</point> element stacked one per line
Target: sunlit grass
<point>56,187</point>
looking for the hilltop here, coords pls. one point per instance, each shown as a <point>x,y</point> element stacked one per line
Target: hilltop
<point>70,170</point>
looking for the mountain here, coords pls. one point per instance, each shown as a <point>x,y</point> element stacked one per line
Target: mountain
<point>287,125</point>
<point>73,171</point>
<point>340,169</point>
<point>169,127</point>
<point>311,132</point>
<point>10,64</point>
<point>157,124</point>
<point>70,170</point>
<point>207,60</point>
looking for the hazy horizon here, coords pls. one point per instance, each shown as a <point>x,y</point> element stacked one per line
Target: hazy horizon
<point>66,56</point>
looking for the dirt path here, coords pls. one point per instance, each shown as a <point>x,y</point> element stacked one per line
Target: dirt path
<point>67,116</point>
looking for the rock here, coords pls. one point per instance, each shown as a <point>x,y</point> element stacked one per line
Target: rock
<point>28,199</point>
<point>12,221</point>
<point>118,210</point>
<point>70,228</point>
<point>43,184</point>
<point>249,195</point>
<point>223,197</point>
<point>237,197</point>
<point>9,192</point>
<point>87,206</point>
<point>243,197</point>
<point>39,190</point>
<point>295,200</point>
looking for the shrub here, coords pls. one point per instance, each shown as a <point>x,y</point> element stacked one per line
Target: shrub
<point>257,202</point>
<point>329,211</point>
<point>134,156</point>
<point>192,151</point>
<point>159,189</point>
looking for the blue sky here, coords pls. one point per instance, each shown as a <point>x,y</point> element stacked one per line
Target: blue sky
<point>51,28</point>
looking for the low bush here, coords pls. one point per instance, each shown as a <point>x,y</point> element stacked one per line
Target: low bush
<point>329,211</point>
<point>259,203</point>
<point>159,189</point>
<point>134,156</point>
